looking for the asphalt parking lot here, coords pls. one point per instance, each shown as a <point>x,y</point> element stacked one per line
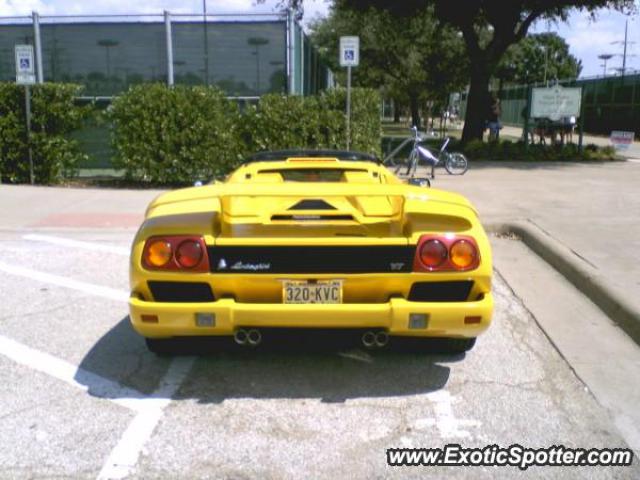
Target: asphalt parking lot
<point>83,398</point>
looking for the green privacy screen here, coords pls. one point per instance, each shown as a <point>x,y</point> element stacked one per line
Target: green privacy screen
<point>609,103</point>
<point>244,58</point>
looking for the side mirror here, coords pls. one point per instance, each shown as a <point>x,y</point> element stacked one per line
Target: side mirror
<point>419,182</point>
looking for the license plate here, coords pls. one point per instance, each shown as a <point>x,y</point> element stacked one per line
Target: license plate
<point>308,292</point>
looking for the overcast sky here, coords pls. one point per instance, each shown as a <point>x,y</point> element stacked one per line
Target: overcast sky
<point>587,39</point>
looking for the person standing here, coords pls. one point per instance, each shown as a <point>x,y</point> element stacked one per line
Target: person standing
<point>493,118</point>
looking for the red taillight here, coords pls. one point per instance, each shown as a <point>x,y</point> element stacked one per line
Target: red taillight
<point>176,253</point>
<point>189,254</point>
<point>446,253</point>
<point>433,253</point>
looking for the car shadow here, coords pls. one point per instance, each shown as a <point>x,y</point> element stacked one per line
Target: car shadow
<point>316,365</point>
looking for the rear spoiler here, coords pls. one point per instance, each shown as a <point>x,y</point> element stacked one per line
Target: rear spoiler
<point>227,191</point>
<point>315,190</point>
<point>238,200</point>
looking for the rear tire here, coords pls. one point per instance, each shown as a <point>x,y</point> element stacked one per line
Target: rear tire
<point>161,346</point>
<point>454,345</point>
<point>456,164</point>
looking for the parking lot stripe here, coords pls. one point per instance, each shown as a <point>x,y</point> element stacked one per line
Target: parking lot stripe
<point>70,374</point>
<point>124,456</point>
<point>106,292</point>
<point>67,242</point>
<point>446,422</point>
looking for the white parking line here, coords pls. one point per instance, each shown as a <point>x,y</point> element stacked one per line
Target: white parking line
<point>68,373</point>
<point>106,292</point>
<point>124,456</point>
<point>446,422</point>
<point>357,355</point>
<point>67,242</point>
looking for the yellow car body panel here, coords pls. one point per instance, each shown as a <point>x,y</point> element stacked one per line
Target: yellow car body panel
<point>362,208</point>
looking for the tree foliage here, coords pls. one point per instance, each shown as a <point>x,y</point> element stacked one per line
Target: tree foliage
<point>537,58</point>
<point>489,28</point>
<point>410,59</point>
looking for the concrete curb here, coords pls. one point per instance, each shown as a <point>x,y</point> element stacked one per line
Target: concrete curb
<point>581,275</point>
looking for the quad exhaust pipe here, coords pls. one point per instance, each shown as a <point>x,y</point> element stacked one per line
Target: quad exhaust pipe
<point>375,339</point>
<point>253,337</point>
<point>248,338</point>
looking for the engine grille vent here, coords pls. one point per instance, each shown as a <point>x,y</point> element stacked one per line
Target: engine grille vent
<point>312,205</point>
<point>312,218</point>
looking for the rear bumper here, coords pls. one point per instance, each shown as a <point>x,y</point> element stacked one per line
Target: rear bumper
<point>444,319</point>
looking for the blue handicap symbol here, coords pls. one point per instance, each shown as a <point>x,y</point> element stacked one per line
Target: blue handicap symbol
<point>25,64</point>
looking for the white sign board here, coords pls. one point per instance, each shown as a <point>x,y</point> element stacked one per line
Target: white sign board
<point>556,102</point>
<point>349,51</point>
<point>25,69</point>
<point>621,140</point>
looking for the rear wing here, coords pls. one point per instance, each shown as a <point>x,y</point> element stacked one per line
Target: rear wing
<point>316,189</point>
<point>362,202</point>
<point>384,201</point>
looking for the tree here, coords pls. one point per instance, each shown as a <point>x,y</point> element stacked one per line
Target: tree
<point>538,58</point>
<point>504,22</point>
<point>411,60</point>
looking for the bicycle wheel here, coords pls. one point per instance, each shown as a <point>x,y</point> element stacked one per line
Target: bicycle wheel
<point>413,163</point>
<point>398,166</point>
<point>456,164</point>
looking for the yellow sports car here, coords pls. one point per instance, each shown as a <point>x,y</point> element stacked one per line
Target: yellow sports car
<point>311,240</point>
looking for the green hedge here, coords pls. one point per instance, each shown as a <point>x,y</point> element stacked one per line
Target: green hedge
<point>54,116</point>
<point>175,135</point>
<point>517,151</point>
<point>280,122</point>
<point>180,134</point>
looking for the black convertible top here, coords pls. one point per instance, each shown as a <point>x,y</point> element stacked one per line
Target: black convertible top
<point>284,154</point>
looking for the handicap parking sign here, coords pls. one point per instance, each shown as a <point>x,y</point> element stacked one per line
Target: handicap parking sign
<point>25,71</point>
<point>349,51</point>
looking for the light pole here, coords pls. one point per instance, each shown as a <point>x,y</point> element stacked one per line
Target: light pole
<point>206,42</point>
<point>107,43</point>
<point>257,42</point>
<point>546,63</point>
<point>280,78</point>
<point>624,42</point>
<point>605,57</point>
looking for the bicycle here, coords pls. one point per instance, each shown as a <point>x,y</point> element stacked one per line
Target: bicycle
<point>454,163</point>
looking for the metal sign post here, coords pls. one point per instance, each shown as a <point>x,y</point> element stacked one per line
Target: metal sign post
<point>27,102</point>
<point>348,107</point>
<point>25,75</point>
<point>349,57</point>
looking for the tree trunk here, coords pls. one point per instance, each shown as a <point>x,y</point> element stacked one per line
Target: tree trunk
<point>396,111</point>
<point>415,111</point>
<point>477,103</point>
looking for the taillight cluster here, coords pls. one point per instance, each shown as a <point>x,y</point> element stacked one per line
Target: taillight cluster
<point>442,253</point>
<point>176,253</point>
